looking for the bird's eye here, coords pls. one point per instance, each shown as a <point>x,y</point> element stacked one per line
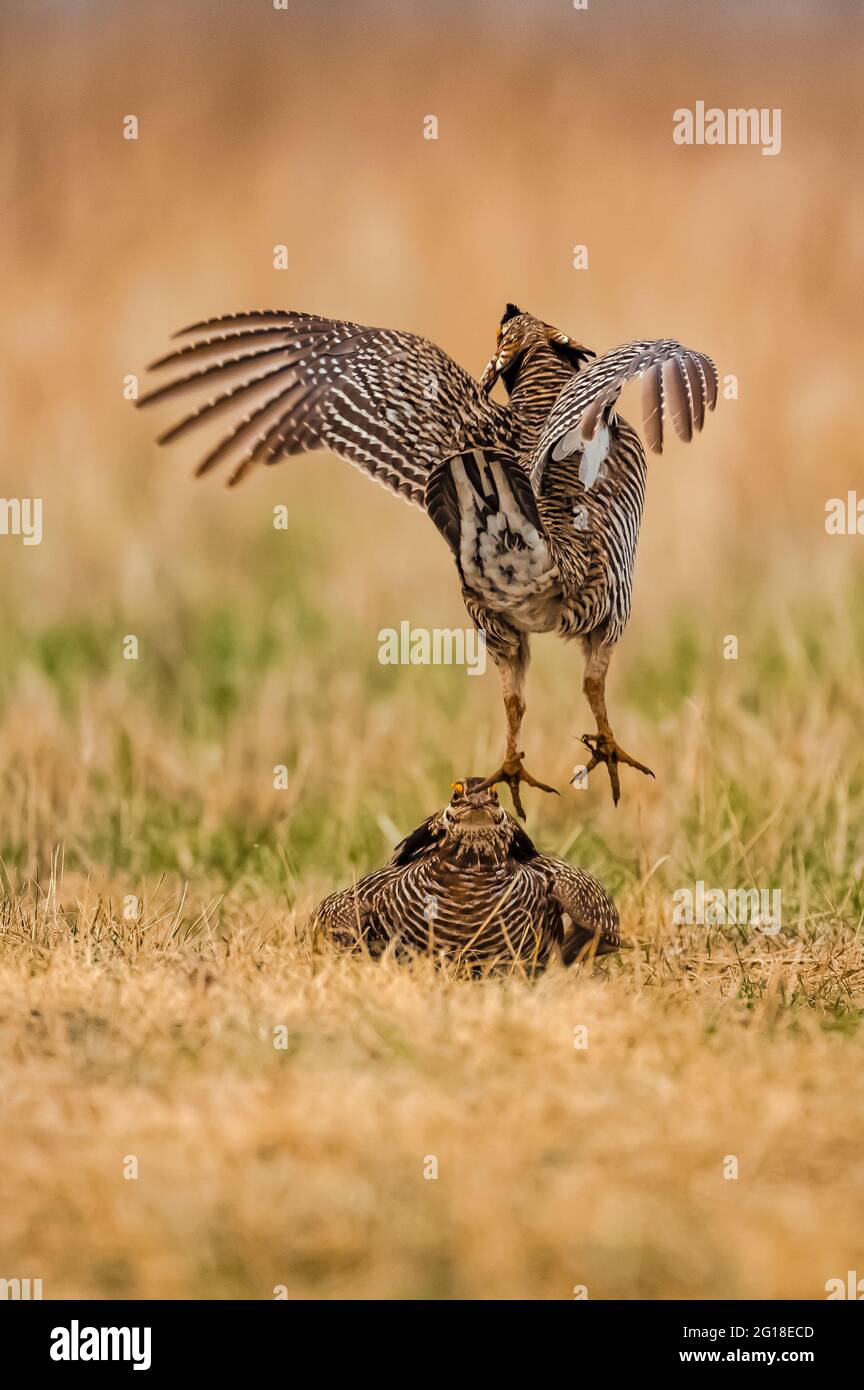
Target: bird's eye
<point>457,789</point>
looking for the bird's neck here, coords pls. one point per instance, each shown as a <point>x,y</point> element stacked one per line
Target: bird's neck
<point>476,847</point>
<point>542,375</point>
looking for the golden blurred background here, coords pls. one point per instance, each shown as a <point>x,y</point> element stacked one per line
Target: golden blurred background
<point>305,127</point>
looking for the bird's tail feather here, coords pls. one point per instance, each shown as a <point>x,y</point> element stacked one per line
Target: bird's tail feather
<point>483,504</point>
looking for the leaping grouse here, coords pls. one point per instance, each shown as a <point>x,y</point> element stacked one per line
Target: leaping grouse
<point>539,500</point>
<point>469,887</point>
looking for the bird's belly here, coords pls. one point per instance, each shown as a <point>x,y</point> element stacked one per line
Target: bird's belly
<point>570,614</point>
<point>527,598</point>
<point>538,613</point>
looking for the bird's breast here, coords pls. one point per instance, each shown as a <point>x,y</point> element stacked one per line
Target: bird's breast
<point>492,913</point>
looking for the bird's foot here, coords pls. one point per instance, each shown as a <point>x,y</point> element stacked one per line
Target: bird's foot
<point>604,749</point>
<point>513,772</point>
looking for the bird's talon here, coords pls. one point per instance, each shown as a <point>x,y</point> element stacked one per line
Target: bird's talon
<point>513,772</point>
<point>604,749</point>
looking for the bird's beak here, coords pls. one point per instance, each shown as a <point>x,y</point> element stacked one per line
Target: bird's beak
<point>491,373</point>
<point>499,363</point>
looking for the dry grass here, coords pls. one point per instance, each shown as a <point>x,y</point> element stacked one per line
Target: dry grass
<point>303,1166</point>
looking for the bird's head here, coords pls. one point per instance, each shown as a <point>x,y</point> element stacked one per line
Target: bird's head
<point>473,806</point>
<point>478,829</point>
<point>518,333</point>
<point>473,828</point>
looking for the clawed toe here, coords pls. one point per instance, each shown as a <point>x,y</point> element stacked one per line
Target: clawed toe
<point>604,749</point>
<point>513,772</point>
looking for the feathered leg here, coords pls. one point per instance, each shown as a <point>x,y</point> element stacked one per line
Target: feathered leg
<point>603,745</point>
<point>512,664</point>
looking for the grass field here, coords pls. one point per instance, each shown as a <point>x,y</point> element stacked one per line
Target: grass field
<point>148,1032</point>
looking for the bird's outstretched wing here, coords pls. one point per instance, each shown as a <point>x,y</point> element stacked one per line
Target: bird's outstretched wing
<point>594,926</point>
<point>282,382</point>
<point>677,384</point>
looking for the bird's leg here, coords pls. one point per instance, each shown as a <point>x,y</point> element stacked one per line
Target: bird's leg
<point>511,669</point>
<point>603,745</point>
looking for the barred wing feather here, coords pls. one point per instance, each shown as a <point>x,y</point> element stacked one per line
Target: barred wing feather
<point>678,384</point>
<point>593,916</point>
<point>391,403</point>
